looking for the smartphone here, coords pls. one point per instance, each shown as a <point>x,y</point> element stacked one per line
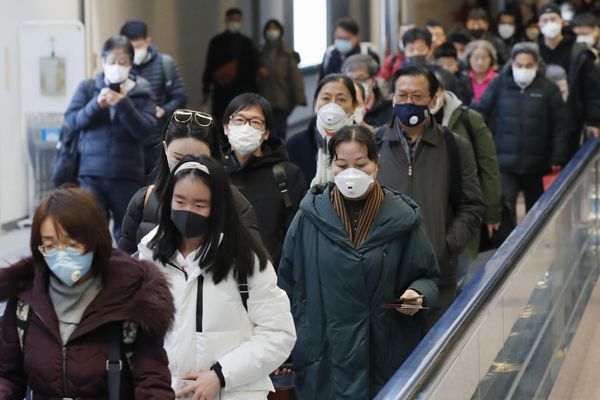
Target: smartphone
<point>115,87</point>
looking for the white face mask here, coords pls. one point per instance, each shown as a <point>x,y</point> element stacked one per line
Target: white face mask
<point>438,105</point>
<point>332,117</point>
<point>115,73</point>
<point>551,29</point>
<point>367,88</point>
<point>139,55</point>
<point>567,15</point>
<point>273,35</point>
<point>506,31</point>
<point>523,76</point>
<point>244,139</point>
<point>590,40</point>
<point>234,27</point>
<point>359,114</point>
<point>353,182</point>
<point>344,46</point>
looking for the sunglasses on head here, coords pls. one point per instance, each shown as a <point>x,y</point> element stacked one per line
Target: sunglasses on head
<point>186,116</point>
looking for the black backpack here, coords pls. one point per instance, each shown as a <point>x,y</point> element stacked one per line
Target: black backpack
<point>65,165</point>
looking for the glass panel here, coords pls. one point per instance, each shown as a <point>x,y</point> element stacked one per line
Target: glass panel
<point>310,40</point>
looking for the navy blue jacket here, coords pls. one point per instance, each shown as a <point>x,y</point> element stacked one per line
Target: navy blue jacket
<point>302,151</point>
<point>170,98</point>
<point>113,147</point>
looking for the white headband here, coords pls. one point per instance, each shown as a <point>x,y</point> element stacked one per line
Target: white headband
<point>191,165</point>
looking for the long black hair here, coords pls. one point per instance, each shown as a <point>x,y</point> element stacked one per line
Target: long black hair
<point>181,130</point>
<point>227,243</point>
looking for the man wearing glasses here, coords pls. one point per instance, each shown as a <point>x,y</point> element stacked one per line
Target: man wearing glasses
<point>437,169</point>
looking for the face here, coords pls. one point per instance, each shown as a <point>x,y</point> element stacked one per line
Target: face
<point>507,19</point>
<point>474,24</point>
<point>117,56</point>
<point>352,154</point>
<point>460,49</point>
<point>417,48</point>
<point>340,33</point>
<point>525,61</point>
<point>141,43</point>
<point>360,76</point>
<point>233,18</point>
<point>480,60</point>
<point>54,236</point>
<point>450,64</point>
<point>587,31</point>
<point>179,148</point>
<point>335,92</point>
<point>412,89</point>
<point>252,115</point>
<point>438,36</point>
<point>549,17</point>
<point>193,195</point>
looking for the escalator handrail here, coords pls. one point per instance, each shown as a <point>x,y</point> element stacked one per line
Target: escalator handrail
<point>421,364</point>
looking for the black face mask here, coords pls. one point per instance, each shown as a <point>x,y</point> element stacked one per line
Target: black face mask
<point>416,61</point>
<point>189,224</point>
<point>477,33</point>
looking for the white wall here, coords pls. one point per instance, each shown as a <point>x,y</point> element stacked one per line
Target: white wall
<point>14,160</point>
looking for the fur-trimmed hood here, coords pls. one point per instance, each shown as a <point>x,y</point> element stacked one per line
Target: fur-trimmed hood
<point>133,290</point>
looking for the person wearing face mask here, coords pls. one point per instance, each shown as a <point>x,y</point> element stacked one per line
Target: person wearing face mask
<point>509,27</point>
<point>585,26</point>
<point>233,325</point>
<point>258,165</point>
<point>346,44</point>
<point>560,48</point>
<point>532,30</point>
<point>231,65</point>
<point>334,104</point>
<point>164,77</point>
<point>279,79</point>
<point>478,24</point>
<point>436,168</point>
<point>188,132</point>
<point>482,58</point>
<point>394,61</point>
<point>72,301</point>
<point>529,120</point>
<point>115,126</point>
<point>376,110</point>
<point>360,273</point>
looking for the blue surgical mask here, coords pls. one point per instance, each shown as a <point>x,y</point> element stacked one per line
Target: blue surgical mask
<point>344,46</point>
<point>68,265</point>
<point>411,114</point>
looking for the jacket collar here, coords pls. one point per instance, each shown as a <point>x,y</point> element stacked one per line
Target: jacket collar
<point>451,104</point>
<point>431,133</point>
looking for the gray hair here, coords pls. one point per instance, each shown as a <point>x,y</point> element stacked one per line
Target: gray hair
<point>526,48</point>
<point>360,61</point>
<point>555,73</point>
<point>481,44</point>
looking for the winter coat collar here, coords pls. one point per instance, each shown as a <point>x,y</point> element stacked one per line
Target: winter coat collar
<point>451,104</point>
<point>133,290</point>
<point>431,134</point>
<point>273,150</point>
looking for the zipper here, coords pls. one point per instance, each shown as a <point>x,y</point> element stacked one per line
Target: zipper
<point>410,169</point>
<point>64,370</point>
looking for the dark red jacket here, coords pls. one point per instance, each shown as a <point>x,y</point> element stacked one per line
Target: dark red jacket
<point>133,290</point>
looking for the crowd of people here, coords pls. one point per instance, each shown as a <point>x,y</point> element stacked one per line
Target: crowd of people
<point>243,254</point>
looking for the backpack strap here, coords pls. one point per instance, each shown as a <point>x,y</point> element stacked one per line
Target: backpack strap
<point>23,311</point>
<point>90,86</point>
<point>149,191</point>
<point>130,330</point>
<point>114,365</point>
<point>281,179</point>
<point>167,68</point>
<point>454,172</point>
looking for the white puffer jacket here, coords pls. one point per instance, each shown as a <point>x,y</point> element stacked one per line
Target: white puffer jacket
<point>249,345</point>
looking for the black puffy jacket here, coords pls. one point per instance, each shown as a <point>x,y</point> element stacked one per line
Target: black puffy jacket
<point>530,126</point>
<point>139,220</point>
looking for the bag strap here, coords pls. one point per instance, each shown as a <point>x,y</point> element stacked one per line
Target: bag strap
<point>114,365</point>
<point>281,179</point>
<point>464,117</point>
<point>167,67</point>
<point>149,191</point>
<point>242,281</point>
<point>454,170</point>
<point>90,86</point>
<point>23,312</point>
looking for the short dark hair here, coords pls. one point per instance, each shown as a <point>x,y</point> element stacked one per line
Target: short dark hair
<point>134,30</point>
<point>353,133</point>
<point>477,14</point>
<point>233,11</point>
<point>415,70</point>
<point>274,22</point>
<point>336,78</point>
<point>118,42</point>
<point>348,24</point>
<point>433,23</point>
<point>508,12</point>
<point>78,214</point>
<point>584,19</point>
<point>247,100</point>
<point>445,50</point>
<point>177,130</point>
<point>414,34</point>
<point>460,34</point>
<point>228,244</point>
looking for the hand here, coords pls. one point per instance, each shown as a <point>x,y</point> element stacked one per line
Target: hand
<point>491,228</point>
<point>112,97</point>
<point>283,371</point>
<point>263,72</point>
<point>101,99</point>
<point>592,131</point>
<point>160,112</point>
<point>205,387</point>
<point>556,168</point>
<point>408,294</point>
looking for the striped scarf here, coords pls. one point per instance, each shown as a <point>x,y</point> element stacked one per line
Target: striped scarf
<point>367,215</point>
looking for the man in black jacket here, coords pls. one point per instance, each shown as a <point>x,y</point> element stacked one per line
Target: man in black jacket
<point>231,64</point>
<point>558,47</point>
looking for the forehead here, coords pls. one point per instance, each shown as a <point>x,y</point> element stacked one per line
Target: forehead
<point>251,111</point>
<point>51,229</point>
<point>480,52</point>
<point>524,58</point>
<point>351,150</point>
<point>435,30</point>
<point>341,32</point>
<point>358,72</point>
<point>186,146</point>
<point>191,187</point>
<point>507,18</point>
<point>417,43</point>
<point>549,16</point>
<point>334,88</point>
<point>412,83</point>
<point>117,52</point>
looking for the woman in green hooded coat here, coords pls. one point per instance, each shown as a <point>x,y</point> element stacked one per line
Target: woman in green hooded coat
<point>359,269</point>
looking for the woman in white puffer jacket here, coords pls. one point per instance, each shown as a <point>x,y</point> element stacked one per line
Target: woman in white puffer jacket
<point>233,325</point>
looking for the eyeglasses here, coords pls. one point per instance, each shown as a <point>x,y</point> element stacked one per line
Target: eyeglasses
<point>238,120</point>
<point>46,249</point>
<point>415,98</point>
<point>185,116</point>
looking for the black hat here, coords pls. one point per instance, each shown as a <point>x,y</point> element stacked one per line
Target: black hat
<point>549,8</point>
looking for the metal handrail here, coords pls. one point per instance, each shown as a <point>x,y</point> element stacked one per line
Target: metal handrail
<point>423,361</point>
